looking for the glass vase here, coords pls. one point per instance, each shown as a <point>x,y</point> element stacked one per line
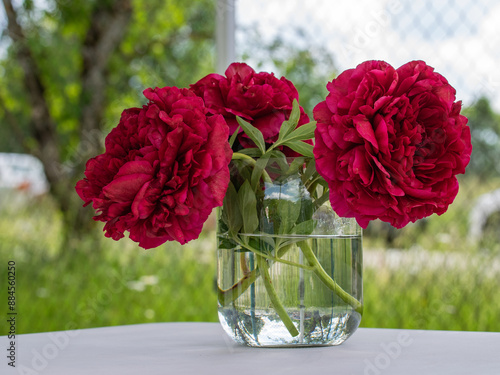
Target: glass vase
<point>293,277</point>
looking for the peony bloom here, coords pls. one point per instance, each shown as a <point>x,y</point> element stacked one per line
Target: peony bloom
<point>390,142</point>
<point>260,98</point>
<point>164,169</point>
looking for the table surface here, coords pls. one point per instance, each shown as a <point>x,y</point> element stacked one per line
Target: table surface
<point>203,348</point>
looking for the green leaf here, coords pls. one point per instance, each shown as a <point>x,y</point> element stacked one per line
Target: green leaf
<point>233,137</point>
<point>289,212</point>
<point>292,122</point>
<point>302,148</point>
<point>227,243</point>
<point>280,158</point>
<point>264,243</point>
<point>295,114</point>
<point>253,133</point>
<point>278,165</point>
<point>305,228</point>
<point>307,208</point>
<point>231,214</point>
<point>247,203</point>
<point>252,152</point>
<point>310,170</point>
<point>323,183</point>
<point>296,164</point>
<point>260,165</point>
<point>302,133</point>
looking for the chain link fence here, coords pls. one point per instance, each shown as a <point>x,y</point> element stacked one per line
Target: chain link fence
<point>441,272</point>
<point>459,38</point>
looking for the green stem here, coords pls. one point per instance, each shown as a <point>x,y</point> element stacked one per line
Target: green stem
<point>250,160</point>
<point>226,296</point>
<point>327,280</point>
<point>311,184</point>
<point>276,259</point>
<point>273,296</point>
<point>319,202</point>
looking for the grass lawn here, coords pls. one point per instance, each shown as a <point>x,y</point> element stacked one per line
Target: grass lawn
<point>114,283</point>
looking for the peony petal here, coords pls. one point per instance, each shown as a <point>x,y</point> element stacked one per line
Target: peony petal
<point>143,205</point>
<point>365,130</point>
<point>135,167</point>
<point>124,188</point>
<point>361,167</point>
<point>240,70</point>
<point>381,134</point>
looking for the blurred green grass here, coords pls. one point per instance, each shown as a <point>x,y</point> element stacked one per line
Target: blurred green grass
<point>107,283</point>
<point>440,299</point>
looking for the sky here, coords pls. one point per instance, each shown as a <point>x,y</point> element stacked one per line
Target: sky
<point>459,38</point>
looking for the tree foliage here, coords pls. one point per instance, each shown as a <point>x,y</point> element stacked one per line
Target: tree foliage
<point>485,133</point>
<point>69,68</point>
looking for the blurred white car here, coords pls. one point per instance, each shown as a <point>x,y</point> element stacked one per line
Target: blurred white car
<point>24,173</point>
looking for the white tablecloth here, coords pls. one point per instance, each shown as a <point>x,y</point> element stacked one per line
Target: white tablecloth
<point>203,348</point>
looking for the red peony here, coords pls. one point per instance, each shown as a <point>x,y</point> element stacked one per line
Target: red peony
<point>390,142</point>
<point>164,169</point>
<point>260,98</point>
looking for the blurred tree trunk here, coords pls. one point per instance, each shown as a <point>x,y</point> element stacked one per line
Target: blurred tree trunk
<point>70,68</point>
<point>107,27</point>
<point>106,30</point>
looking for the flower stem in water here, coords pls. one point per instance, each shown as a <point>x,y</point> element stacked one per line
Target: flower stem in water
<point>327,280</point>
<point>273,296</point>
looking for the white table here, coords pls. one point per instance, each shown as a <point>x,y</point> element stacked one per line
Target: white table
<point>203,348</point>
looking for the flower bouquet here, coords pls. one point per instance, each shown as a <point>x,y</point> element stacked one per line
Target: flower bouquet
<point>385,144</point>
